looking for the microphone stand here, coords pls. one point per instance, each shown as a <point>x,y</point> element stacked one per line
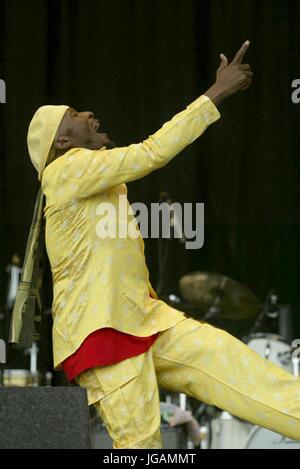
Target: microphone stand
<point>33,352</point>
<point>271,298</point>
<point>162,253</point>
<point>163,248</point>
<point>2,359</point>
<point>214,309</point>
<point>14,272</point>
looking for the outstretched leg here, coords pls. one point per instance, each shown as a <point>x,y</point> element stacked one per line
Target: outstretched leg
<point>214,367</point>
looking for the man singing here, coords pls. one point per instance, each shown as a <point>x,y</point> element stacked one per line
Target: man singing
<point>111,334</point>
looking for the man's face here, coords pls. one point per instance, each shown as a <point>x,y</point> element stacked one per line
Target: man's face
<point>81,130</point>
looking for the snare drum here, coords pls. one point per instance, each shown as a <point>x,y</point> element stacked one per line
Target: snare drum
<point>272,347</point>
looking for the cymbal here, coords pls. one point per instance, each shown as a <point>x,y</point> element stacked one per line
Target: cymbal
<point>229,298</point>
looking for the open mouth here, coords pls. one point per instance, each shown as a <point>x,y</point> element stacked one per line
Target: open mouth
<point>97,128</point>
<point>96,125</point>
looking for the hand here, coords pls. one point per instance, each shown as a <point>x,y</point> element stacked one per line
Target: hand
<point>180,417</point>
<point>235,76</point>
<point>231,77</point>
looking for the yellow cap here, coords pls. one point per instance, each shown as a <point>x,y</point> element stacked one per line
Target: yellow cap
<point>41,133</point>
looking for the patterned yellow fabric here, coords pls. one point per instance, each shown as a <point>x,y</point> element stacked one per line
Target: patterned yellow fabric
<point>203,362</point>
<point>126,397</point>
<point>105,282</point>
<point>41,133</point>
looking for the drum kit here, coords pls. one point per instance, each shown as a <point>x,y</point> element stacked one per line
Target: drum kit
<point>219,297</point>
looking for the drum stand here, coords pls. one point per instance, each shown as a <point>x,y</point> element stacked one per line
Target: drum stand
<point>296,365</point>
<point>269,309</point>
<point>2,359</point>
<point>33,352</point>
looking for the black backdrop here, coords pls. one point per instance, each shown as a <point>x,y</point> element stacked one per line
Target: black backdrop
<point>135,63</point>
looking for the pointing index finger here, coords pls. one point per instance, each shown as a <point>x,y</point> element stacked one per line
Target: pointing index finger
<point>240,54</point>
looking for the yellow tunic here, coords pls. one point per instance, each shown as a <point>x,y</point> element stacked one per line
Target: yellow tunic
<point>105,282</point>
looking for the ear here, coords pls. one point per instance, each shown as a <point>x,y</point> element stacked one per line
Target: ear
<point>64,143</point>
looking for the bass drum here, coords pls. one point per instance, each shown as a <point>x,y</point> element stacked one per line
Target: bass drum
<point>228,432</point>
<point>16,378</point>
<point>261,438</point>
<point>19,378</point>
<point>271,347</point>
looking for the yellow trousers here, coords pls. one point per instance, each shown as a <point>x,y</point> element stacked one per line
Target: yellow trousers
<point>205,363</point>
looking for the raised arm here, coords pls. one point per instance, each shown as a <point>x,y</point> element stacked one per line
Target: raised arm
<point>81,172</point>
